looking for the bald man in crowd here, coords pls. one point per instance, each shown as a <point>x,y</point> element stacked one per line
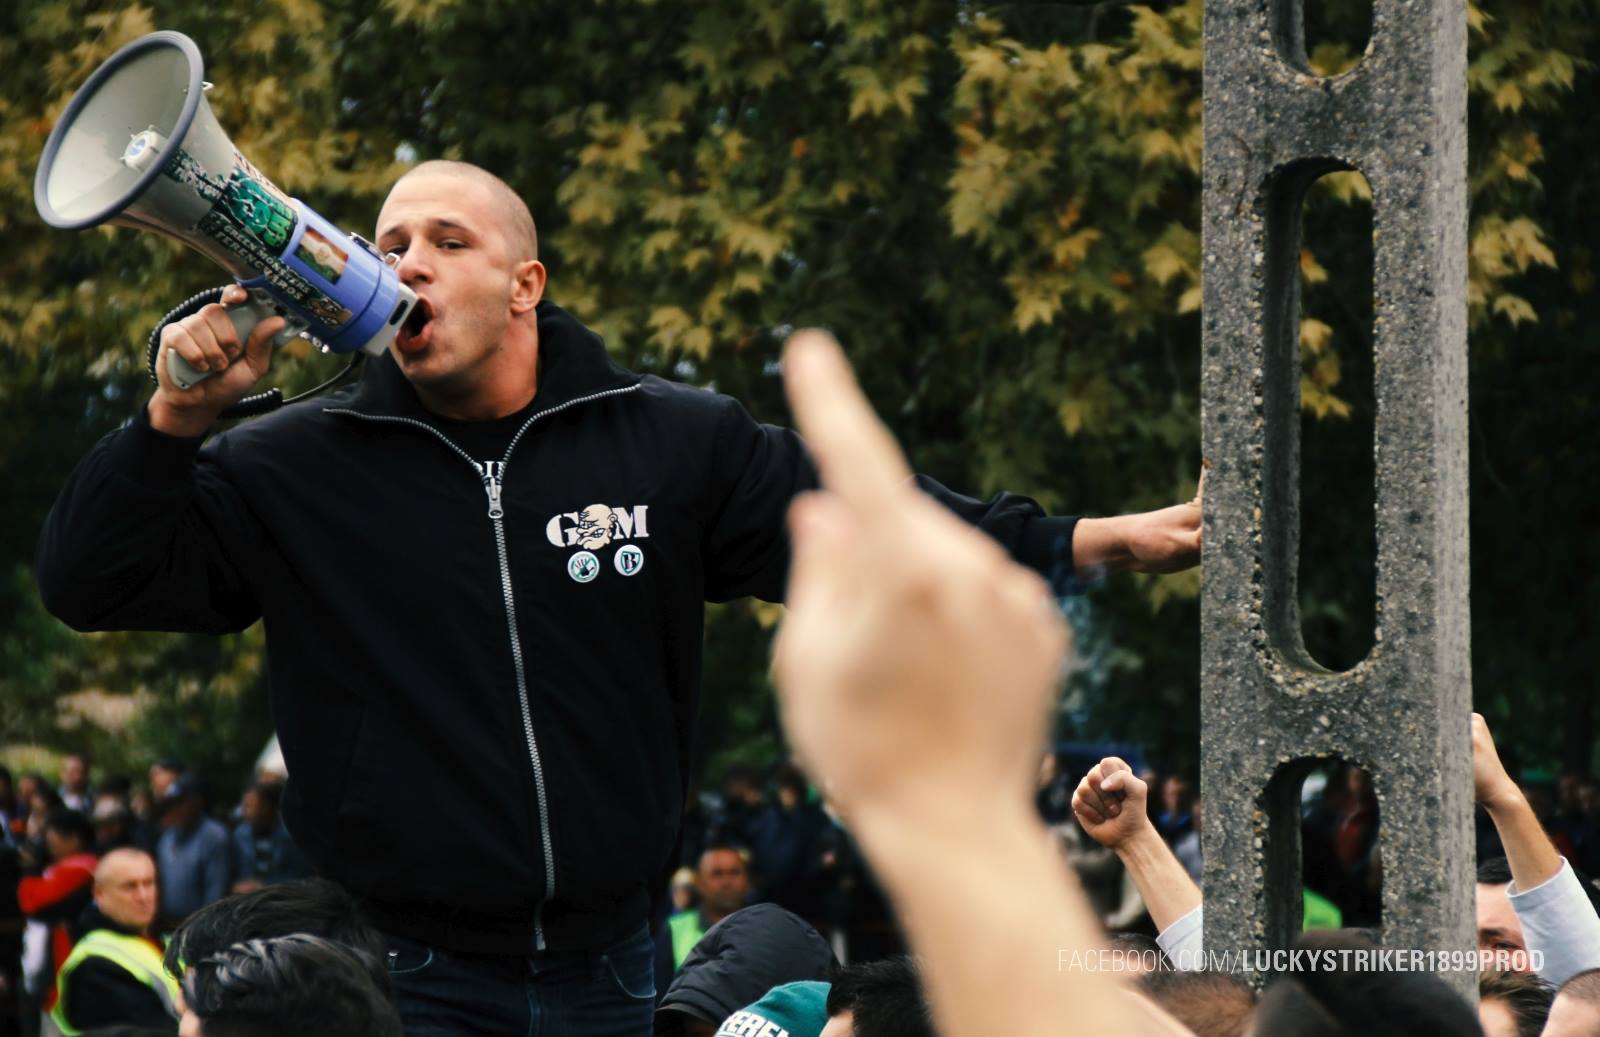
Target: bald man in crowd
<point>114,975</point>
<point>483,571</point>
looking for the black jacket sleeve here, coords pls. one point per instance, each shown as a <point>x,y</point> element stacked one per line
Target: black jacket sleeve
<point>102,993</point>
<point>759,469</point>
<point>145,536</point>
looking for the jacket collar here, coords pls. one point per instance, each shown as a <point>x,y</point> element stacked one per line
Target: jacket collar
<point>92,918</point>
<point>573,363</point>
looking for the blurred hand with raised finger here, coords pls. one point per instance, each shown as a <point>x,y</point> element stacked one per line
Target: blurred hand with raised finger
<point>916,663</point>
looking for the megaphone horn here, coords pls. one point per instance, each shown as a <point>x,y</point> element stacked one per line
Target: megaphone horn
<point>139,147</point>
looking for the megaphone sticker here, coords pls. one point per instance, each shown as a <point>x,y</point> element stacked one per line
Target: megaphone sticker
<point>321,255</point>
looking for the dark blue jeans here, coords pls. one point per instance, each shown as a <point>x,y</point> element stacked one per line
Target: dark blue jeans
<point>608,992</point>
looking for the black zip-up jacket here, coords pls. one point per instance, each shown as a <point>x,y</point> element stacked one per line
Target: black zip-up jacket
<point>483,671</point>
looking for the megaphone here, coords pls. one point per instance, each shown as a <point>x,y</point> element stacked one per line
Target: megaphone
<point>139,147</point>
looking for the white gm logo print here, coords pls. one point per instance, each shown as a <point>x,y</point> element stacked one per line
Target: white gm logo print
<point>597,525</point>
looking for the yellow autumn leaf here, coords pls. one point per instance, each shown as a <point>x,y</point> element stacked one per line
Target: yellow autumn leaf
<point>747,281</point>
<point>1073,413</point>
<point>751,239</point>
<point>1516,309</point>
<point>1163,262</point>
<point>1508,98</point>
<point>698,341</point>
<point>1314,335</point>
<point>1311,271</point>
<point>1035,309</point>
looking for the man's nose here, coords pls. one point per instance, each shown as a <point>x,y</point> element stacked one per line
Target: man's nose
<point>410,266</point>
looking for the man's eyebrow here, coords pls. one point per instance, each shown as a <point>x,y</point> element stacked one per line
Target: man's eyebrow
<point>436,223</point>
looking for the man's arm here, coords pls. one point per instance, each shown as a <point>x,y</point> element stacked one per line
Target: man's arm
<point>876,680</point>
<point>1558,920</point>
<point>1110,804</point>
<point>1162,541</point>
<point>137,539</point>
<point>759,469</point>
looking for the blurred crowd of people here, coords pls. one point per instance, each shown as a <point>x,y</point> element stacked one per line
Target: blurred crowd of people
<point>94,854</point>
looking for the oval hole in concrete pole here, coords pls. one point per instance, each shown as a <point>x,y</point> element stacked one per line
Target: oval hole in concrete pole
<point>1324,38</point>
<point>1317,506</point>
<point>1321,849</point>
<point>1338,539</point>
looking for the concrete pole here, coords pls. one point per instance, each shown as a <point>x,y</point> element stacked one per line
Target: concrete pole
<point>1268,711</point>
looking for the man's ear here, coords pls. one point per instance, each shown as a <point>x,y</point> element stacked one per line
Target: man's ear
<point>527,286</point>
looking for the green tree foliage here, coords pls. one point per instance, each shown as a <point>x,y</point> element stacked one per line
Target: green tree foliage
<point>997,206</point>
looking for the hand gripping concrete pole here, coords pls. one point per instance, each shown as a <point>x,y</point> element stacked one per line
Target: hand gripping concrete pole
<point>1269,712</point>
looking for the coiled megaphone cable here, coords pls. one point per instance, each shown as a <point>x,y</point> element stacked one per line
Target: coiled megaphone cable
<point>250,406</point>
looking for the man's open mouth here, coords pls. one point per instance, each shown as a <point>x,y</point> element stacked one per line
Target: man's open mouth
<point>418,327</point>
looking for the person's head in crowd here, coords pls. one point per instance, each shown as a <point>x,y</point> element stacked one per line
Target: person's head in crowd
<point>723,882</point>
<point>1140,953</point>
<point>1350,1003</point>
<point>113,824</point>
<point>878,999</point>
<point>28,786</point>
<point>35,795</point>
<point>797,1009</point>
<point>1512,1004</point>
<point>67,833</point>
<point>183,804</point>
<point>1175,796</point>
<point>1589,798</point>
<point>259,806</point>
<point>114,786</point>
<point>315,906</point>
<point>162,774</point>
<point>125,889</point>
<point>791,786</point>
<point>8,790</point>
<point>1358,788</point>
<point>682,890</point>
<point>1498,927</point>
<point>741,787</point>
<point>1567,791</point>
<point>288,986</point>
<point>1575,1012</point>
<point>1151,779</point>
<point>1212,1004</point>
<point>75,773</point>
<point>738,960</point>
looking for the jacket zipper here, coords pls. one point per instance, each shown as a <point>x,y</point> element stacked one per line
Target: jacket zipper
<point>492,474</point>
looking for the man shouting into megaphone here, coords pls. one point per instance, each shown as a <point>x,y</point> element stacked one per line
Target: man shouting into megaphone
<point>483,571</point>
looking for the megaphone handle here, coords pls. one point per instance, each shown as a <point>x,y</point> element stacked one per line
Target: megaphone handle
<point>244,317</point>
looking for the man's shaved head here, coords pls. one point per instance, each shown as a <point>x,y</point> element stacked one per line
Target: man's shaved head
<point>117,861</point>
<point>521,235</point>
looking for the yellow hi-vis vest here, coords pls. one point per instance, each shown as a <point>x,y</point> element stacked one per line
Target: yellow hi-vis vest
<point>686,932</point>
<point>138,956</point>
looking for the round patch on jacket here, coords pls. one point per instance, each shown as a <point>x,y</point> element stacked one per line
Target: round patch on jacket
<point>583,566</point>
<point>628,560</point>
